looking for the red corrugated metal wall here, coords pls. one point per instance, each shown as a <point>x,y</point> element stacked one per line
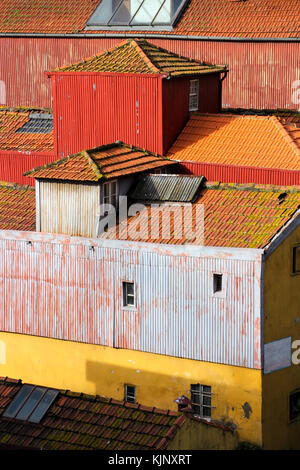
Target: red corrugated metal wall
<point>97,109</point>
<point>14,164</point>
<point>261,74</point>
<point>240,174</point>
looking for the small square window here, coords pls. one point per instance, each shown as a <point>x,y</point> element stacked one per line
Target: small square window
<point>194,95</point>
<point>296,259</point>
<point>294,405</point>
<point>130,394</point>
<point>218,283</point>
<point>201,400</point>
<point>128,294</point>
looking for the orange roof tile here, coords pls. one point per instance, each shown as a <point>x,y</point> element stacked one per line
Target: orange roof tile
<point>107,161</point>
<point>17,207</point>
<point>139,56</point>
<point>257,141</point>
<point>220,18</point>
<point>235,215</point>
<point>10,139</point>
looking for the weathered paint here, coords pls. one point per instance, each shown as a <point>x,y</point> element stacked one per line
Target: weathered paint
<point>68,208</point>
<point>281,320</point>
<point>261,73</point>
<point>241,174</point>
<point>159,380</point>
<point>71,288</point>
<point>14,164</point>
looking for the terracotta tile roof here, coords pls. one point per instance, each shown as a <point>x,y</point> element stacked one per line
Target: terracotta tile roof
<point>221,18</point>
<point>17,207</point>
<point>235,215</point>
<point>107,161</point>
<point>139,56</point>
<point>45,16</point>
<point>81,422</point>
<point>13,119</point>
<point>257,141</point>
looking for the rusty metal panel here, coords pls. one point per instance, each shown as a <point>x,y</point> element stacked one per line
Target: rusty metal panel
<point>69,208</point>
<point>261,73</point>
<point>96,109</point>
<point>241,174</point>
<point>14,164</point>
<point>71,288</point>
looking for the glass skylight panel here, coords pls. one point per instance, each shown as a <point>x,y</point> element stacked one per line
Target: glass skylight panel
<point>31,403</point>
<point>133,13</point>
<point>18,401</point>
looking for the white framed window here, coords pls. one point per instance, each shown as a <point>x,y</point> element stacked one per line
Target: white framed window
<point>130,394</point>
<point>128,294</point>
<point>110,193</point>
<point>201,400</point>
<point>194,95</point>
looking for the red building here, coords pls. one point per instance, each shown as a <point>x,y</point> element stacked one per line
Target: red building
<point>257,39</point>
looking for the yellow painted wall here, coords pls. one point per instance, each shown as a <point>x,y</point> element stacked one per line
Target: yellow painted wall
<point>281,320</point>
<point>159,379</point>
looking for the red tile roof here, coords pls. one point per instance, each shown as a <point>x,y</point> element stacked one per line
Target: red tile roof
<point>82,422</point>
<point>257,141</point>
<point>17,207</point>
<point>107,161</point>
<point>13,119</point>
<point>235,215</point>
<point>221,18</point>
<point>139,56</point>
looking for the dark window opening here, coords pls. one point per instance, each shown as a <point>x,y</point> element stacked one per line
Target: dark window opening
<point>294,405</point>
<point>296,259</point>
<point>218,282</point>
<point>128,294</point>
<point>201,400</point>
<point>130,396</point>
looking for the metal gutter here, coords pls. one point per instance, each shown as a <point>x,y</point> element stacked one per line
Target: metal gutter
<point>149,36</point>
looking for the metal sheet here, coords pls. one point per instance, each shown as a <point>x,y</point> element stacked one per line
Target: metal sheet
<point>261,73</point>
<point>14,164</point>
<point>71,288</point>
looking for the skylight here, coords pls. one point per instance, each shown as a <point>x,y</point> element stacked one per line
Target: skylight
<point>136,14</point>
<point>31,403</point>
<point>38,124</point>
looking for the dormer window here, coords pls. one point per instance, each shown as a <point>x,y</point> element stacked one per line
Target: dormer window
<point>133,13</point>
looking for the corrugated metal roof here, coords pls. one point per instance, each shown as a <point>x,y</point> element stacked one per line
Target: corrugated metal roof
<point>174,188</point>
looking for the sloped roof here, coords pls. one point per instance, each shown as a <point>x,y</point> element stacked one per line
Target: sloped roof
<point>257,141</point>
<point>17,207</point>
<point>12,120</point>
<point>139,56</point>
<point>107,161</point>
<point>220,18</point>
<point>235,215</point>
<point>82,422</point>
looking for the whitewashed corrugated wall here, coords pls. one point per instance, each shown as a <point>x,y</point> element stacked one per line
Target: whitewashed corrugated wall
<point>71,288</point>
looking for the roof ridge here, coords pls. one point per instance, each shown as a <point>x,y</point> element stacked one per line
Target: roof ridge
<point>286,134</point>
<point>144,56</point>
<point>95,167</point>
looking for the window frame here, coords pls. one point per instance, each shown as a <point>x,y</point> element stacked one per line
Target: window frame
<point>109,185</point>
<point>94,23</point>
<point>220,293</point>
<point>202,394</point>
<point>125,294</point>
<point>193,95</point>
<point>126,394</point>
<point>293,260</point>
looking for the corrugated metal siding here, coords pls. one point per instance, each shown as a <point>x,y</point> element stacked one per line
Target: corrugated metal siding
<point>14,164</point>
<point>93,110</point>
<point>69,208</point>
<point>261,74</point>
<point>66,290</point>
<point>240,174</point>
